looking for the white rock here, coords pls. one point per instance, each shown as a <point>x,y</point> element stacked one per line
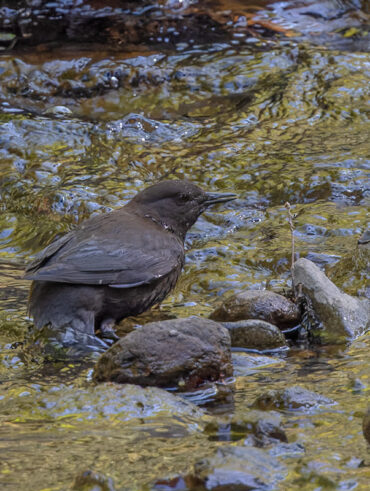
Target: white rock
<point>342,316</point>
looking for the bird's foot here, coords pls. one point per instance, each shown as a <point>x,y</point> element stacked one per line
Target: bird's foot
<point>107,331</point>
<point>65,342</point>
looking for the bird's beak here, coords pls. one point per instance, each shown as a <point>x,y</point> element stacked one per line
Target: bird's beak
<point>212,198</point>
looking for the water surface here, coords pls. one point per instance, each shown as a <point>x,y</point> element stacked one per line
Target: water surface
<point>273,120</point>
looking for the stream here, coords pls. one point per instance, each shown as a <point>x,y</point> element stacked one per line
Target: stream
<point>269,101</point>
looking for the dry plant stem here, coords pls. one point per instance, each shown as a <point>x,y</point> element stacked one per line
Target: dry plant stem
<point>290,219</point>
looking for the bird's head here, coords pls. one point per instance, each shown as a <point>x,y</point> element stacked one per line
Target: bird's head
<point>175,204</point>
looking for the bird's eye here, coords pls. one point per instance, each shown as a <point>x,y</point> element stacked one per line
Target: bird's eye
<point>184,197</point>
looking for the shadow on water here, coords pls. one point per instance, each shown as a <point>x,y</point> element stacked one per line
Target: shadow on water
<point>268,101</point>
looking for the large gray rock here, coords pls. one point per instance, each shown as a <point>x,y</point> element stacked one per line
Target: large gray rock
<point>341,316</point>
<point>186,351</point>
<point>255,334</point>
<point>258,304</point>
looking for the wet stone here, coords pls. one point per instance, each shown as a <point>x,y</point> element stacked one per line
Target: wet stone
<point>180,352</point>
<point>339,316</point>
<point>239,468</point>
<point>92,481</point>
<point>291,398</point>
<point>255,334</point>
<point>258,304</point>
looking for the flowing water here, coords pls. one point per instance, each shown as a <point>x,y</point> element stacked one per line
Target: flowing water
<point>272,119</point>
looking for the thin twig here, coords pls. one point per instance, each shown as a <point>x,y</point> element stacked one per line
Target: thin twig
<point>290,220</point>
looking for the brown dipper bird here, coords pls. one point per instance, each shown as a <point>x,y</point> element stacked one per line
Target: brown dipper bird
<point>116,264</point>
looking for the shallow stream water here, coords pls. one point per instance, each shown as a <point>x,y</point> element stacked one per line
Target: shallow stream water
<point>273,119</point>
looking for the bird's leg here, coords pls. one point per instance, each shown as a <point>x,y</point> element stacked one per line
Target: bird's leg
<point>81,332</point>
<point>75,338</point>
<point>107,331</point>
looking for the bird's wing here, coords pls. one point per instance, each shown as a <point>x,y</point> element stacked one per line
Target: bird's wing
<point>49,251</point>
<point>108,257</point>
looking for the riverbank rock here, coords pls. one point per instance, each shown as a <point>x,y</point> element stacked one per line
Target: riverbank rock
<point>366,425</point>
<point>258,304</point>
<point>295,397</point>
<point>339,315</point>
<point>255,334</point>
<point>179,352</point>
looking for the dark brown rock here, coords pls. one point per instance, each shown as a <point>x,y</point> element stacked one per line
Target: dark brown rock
<point>113,25</point>
<point>255,334</point>
<point>258,304</point>
<point>366,425</point>
<point>186,351</point>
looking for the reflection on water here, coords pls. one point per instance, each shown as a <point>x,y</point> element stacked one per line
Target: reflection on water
<point>273,122</point>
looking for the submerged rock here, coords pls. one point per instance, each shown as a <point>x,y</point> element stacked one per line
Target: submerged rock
<point>247,363</point>
<point>255,334</point>
<point>182,352</point>
<point>260,428</point>
<point>258,304</point>
<point>267,426</point>
<point>239,468</point>
<point>109,406</point>
<point>291,398</point>
<point>366,425</point>
<point>287,450</point>
<point>340,316</point>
